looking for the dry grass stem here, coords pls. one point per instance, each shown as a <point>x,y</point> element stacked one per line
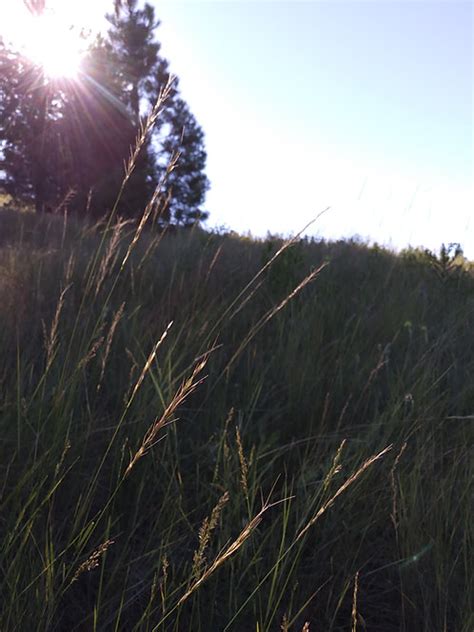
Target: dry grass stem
<point>354,603</point>
<point>237,301</point>
<point>205,533</point>
<point>352,479</point>
<point>63,239</point>
<point>149,208</point>
<point>244,468</point>
<point>108,342</point>
<point>213,263</point>
<point>148,364</point>
<point>247,299</point>
<point>93,560</point>
<point>382,361</point>
<point>70,269</point>
<point>335,467</point>
<point>67,447</point>
<point>187,387</point>
<point>108,258</point>
<point>63,204</point>
<point>227,552</point>
<point>145,128</point>
<point>51,341</point>
<point>91,353</point>
<point>273,311</point>
<point>393,485</point>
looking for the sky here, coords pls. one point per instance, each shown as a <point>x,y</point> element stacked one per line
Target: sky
<point>363,107</point>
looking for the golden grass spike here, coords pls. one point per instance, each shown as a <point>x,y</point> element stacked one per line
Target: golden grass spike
<point>205,532</point>
<point>354,603</point>
<point>187,387</point>
<point>244,468</point>
<point>272,312</point>
<point>108,258</point>
<point>93,560</point>
<point>148,363</point>
<point>226,553</point>
<point>108,342</point>
<point>51,341</point>
<point>352,479</point>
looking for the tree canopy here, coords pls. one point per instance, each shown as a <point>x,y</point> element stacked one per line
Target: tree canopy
<point>70,137</point>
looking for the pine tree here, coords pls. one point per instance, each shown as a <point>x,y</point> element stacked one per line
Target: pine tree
<point>98,130</point>
<point>186,185</point>
<point>135,52</point>
<point>63,136</point>
<point>29,109</point>
<point>144,73</point>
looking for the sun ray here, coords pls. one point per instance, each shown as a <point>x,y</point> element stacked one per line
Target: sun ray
<point>47,38</point>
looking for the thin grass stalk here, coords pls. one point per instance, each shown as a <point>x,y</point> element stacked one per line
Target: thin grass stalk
<point>307,602</point>
<point>145,130</point>
<point>244,468</point>
<point>91,486</point>
<point>187,387</point>
<point>279,252</point>
<point>150,437</point>
<point>221,558</point>
<point>272,312</point>
<point>205,533</point>
<point>354,615</point>
<point>138,383</point>
<point>51,341</point>
<point>350,481</point>
<point>149,208</point>
<point>108,342</point>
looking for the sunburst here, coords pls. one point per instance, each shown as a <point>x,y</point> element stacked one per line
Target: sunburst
<point>47,39</point>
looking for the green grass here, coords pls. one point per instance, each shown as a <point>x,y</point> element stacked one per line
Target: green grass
<point>265,467</point>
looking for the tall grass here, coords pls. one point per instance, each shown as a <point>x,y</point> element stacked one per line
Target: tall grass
<point>189,443</point>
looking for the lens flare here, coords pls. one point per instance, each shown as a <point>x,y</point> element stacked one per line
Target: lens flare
<point>48,40</point>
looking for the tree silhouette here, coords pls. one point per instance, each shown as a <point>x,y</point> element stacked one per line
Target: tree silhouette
<point>27,104</point>
<point>186,185</point>
<point>144,73</point>
<point>75,134</point>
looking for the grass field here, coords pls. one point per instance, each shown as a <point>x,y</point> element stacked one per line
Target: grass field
<point>198,435</point>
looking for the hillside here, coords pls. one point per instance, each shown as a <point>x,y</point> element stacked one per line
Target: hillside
<point>297,447</point>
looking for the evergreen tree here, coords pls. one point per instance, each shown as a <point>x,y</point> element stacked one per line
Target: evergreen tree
<point>136,53</point>
<point>185,187</point>
<point>29,107</point>
<point>98,130</point>
<point>144,73</point>
<point>134,56</point>
<point>63,135</point>
<point>58,136</point>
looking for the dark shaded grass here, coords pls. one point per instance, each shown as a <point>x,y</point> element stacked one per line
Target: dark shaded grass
<point>375,352</point>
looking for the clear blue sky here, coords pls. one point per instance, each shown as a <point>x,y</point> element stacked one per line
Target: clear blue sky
<point>364,107</point>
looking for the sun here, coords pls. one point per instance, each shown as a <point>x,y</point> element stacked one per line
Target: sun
<point>49,41</point>
<point>54,46</point>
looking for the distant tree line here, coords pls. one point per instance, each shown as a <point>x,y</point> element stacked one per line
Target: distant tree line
<point>68,139</point>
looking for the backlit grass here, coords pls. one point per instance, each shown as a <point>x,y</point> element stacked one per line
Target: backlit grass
<point>189,444</point>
